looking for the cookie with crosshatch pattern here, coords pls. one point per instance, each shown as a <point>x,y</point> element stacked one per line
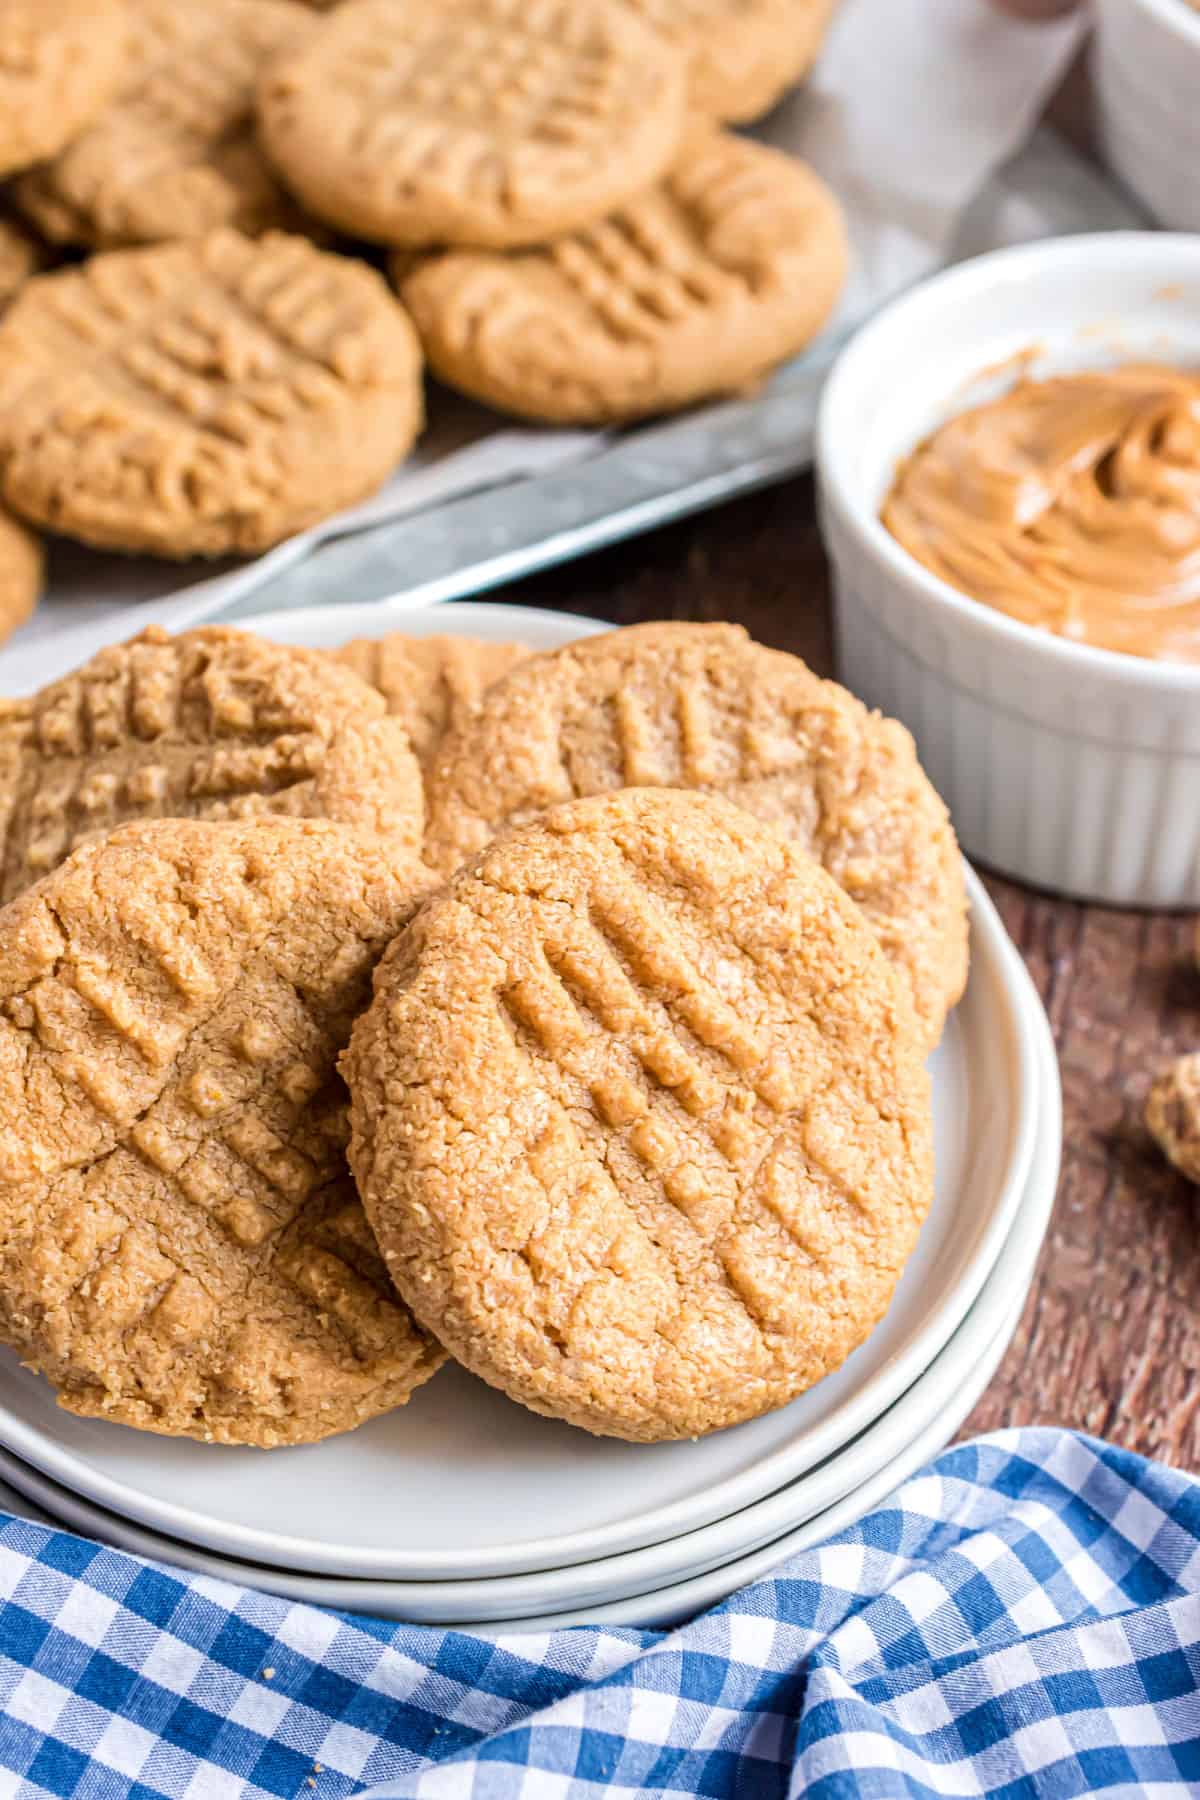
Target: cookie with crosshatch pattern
<point>181,1247</point>
<point>492,122</point>
<point>698,286</point>
<point>431,684</point>
<point>742,54</point>
<point>175,153</point>
<point>639,1117</point>
<point>204,397</point>
<point>60,61</point>
<point>211,724</point>
<point>704,706</point>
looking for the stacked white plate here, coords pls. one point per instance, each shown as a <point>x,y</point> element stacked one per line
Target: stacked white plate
<point>464,1509</point>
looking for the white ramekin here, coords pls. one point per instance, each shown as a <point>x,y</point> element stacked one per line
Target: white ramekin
<point>1146,77</point>
<point>1068,767</point>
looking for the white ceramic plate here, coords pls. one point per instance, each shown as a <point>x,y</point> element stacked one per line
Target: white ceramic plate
<point>686,1599</point>
<point>911,1431</point>
<point>462,1484</point>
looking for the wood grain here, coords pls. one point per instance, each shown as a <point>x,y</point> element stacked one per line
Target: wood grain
<point>1110,1339</point>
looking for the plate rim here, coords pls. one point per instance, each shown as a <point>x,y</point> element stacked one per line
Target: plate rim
<point>1023,1247</point>
<point>1021,1008</point>
<point>694,1594</point>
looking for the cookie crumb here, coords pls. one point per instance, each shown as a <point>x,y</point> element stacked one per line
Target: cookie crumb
<point>1173,1114</point>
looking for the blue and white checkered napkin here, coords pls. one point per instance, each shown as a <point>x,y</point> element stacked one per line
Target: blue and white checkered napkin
<point>1022,1619</point>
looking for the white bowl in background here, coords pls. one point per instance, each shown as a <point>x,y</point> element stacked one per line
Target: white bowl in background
<point>1146,77</point>
<point>1070,767</point>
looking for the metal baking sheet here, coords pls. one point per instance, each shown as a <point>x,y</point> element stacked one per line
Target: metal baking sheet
<point>638,479</point>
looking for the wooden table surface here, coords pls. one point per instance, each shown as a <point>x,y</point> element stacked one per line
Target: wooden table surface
<point>1110,1340</point>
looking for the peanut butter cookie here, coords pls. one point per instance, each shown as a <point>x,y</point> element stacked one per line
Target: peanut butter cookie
<point>211,724</point>
<point>22,571</point>
<point>702,706</point>
<point>180,1246</point>
<point>699,286</point>
<point>21,255</point>
<point>60,63</point>
<point>203,398</point>
<point>639,1117</point>
<point>742,54</point>
<point>175,155</point>
<point>493,122</point>
<point>432,684</point>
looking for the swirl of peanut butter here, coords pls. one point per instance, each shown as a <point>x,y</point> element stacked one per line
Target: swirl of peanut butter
<point>1072,504</point>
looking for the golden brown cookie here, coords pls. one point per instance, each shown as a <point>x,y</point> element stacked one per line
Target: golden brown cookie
<point>175,155</point>
<point>60,61</point>
<point>211,724</point>
<point>639,1117</point>
<point>21,255</point>
<point>703,706</point>
<point>180,1246</point>
<point>742,54</point>
<point>1173,1114</point>
<point>700,286</point>
<point>203,398</point>
<point>432,684</point>
<point>493,122</point>
<point>22,572</point>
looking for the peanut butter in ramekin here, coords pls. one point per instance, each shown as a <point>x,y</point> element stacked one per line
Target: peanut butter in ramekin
<point>1072,504</point>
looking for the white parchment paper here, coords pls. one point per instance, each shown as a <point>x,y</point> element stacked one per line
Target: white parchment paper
<point>915,115</point>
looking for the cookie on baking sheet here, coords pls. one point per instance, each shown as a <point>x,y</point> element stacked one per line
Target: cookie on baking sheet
<point>432,684</point>
<point>493,122</point>
<point>60,62</point>
<point>703,706</point>
<point>175,154</point>
<point>159,30</point>
<point>22,573</point>
<point>204,397</point>
<point>699,286</point>
<point>181,1248</point>
<point>742,54</point>
<point>211,724</point>
<point>639,1117</point>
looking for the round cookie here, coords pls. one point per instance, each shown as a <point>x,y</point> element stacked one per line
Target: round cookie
<point>176,154</point>
<point>22,572</point>
<point>211,724</point>
<point>703,706</point>
<point>698,286</point>
<point>203,398</point>
<point>494,122</point>
<point>180,1246</point>
<point>742,54</point>
<point>431,684</point>
<point>639,1117</point>
<point>60,62</point>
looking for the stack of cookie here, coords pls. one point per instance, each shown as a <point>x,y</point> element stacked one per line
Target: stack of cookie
<point>635,1123</point>
<point>574,234</point>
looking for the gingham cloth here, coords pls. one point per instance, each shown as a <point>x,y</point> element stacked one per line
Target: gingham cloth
<point>1023,1618</point>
